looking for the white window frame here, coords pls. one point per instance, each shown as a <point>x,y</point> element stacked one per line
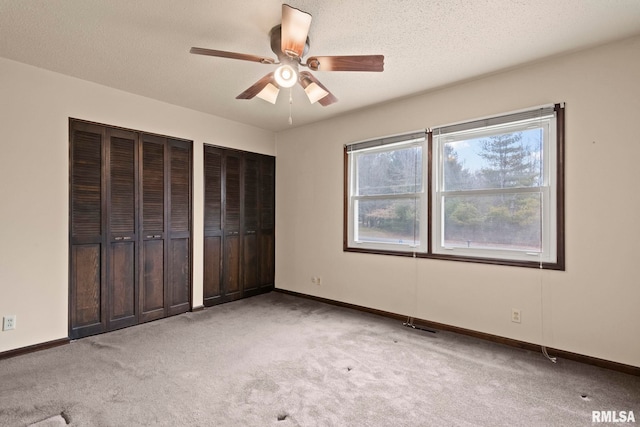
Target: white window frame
<point>547,190</point>
<point>390,143</point>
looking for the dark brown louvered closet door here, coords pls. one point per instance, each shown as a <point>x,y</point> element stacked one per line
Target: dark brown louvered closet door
<point>153,236</point>
<point>250,224</point>
<point>235,264</point>
<point>130,227</point>
<point>212,289</point>
<point>267,231</point>
<point>232,202</point>
<point>87,249</point>
<point>122,223</point>
<point>179,257</point>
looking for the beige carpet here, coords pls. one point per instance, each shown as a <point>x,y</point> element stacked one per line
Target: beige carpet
<point>280,360</point>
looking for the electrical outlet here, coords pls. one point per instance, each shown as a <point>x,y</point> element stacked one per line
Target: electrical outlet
<point>9,322</point>
<point>516,316</point>
<point>316,280</point>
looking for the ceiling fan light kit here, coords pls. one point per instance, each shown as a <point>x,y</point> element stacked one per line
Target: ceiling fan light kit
<point>269,93</point>
<point>286,76</point>
<point>290,42</point>
<point>314,92</point>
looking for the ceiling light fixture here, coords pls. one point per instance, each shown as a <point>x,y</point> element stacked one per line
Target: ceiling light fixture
<point>269,93</point>
<point>314,92</point>
<point>286,76</point>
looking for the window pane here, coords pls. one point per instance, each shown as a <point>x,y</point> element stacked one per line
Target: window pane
<point>506,221</point>
<point>387,221</point>
<point>396,171</point>
<point>502,160</point>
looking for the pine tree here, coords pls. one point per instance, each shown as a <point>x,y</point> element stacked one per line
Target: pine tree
<point>510,165</point>
<point>509,162</point>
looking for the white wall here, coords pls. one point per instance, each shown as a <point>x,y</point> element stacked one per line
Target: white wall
<point>592,308</point>
<point>35,106</point>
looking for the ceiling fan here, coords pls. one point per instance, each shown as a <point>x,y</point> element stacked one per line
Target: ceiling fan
<point>290,42</point>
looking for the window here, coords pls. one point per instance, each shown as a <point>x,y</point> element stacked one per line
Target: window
<point>386,193</point>
<point>488,190</point>
<point>494,194</point>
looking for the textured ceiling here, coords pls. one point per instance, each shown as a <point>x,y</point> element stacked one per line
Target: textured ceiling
<point>142,46</point>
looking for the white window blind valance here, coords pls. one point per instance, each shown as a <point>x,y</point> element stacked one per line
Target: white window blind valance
<point>379,142</point>
<point>538,113</point>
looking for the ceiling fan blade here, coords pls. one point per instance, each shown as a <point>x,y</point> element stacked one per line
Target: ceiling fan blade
<point>257,87</point>
<point>347,63</point>
<point>328,99</point>
<point>295,28</point>
<point>231,55</point>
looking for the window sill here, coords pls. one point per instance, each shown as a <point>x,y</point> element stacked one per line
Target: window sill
<point>558,266</point>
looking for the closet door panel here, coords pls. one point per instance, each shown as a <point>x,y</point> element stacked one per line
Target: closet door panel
<point>232,266</point>
<point>212,269</point>
<point>267,193</point>
<point>152,296</point>
<point>250,195</point>
<point>86,273</point>
<point>267,221</point>
<point>86,282</point>
<point>180,189</point>
<point>86,181</point>
<point>232,192</point>
<point>212,291</point>
<point>232,209</point>
<point>250,262</point>
<point>122,284</point>
<point>121,275</point>
<point>153,186</point>
<point>212,191</point>
<point>153,193</point>
<point>122,179</point>
<point>267,259</point>
<point>250,223</point>
<point>180,279</point>
<point>179,268</point>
